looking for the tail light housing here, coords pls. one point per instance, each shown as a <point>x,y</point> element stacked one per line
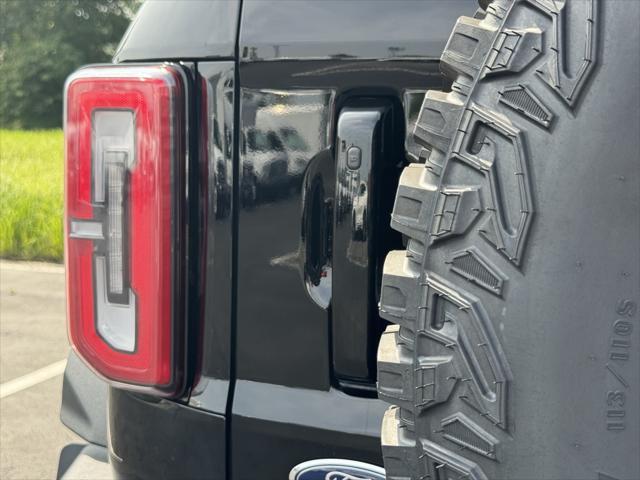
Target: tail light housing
<point>125,157</point>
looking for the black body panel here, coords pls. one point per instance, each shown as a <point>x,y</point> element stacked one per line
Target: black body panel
<point>282,333</point>
<point>161,439</point>
<point>84,401</point>
<point>277,427</point>
<point>217,91</point>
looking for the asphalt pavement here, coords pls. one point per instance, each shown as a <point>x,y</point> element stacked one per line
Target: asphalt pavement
<point>33,349</point>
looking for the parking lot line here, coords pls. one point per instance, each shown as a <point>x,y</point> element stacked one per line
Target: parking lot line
<point>37,267</point>
<point>30,379</point>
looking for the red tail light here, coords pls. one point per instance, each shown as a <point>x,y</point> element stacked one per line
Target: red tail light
<point>125,161</point>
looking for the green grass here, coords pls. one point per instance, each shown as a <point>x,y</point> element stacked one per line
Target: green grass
<point>31,188</point>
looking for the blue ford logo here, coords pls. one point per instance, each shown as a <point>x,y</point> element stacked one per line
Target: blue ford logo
<point>336,469</point>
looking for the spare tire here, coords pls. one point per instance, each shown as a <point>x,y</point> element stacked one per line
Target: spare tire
<point>513,350</point>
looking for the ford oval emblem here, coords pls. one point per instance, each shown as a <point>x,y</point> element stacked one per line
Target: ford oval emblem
<point>336,469</point>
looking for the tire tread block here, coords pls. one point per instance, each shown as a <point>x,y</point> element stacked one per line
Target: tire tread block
<point>468,45</point>
<point>438,119</point>
<point>414,201</point>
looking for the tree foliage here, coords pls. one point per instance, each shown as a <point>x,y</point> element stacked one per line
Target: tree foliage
<point>42,42</point>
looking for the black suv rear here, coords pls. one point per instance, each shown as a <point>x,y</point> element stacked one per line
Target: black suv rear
<point>281,215</point>
<point>296,120</point>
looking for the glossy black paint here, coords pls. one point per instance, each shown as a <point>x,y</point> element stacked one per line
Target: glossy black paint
<point>282,332</point>
<point>293,335</point>
<point>84,401</point>
<point>217,92</point>
<point>265,392</point>
<point>161,439</point>
<point>276,427</point>
<point>368,155</point>
<point>315,255</point>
